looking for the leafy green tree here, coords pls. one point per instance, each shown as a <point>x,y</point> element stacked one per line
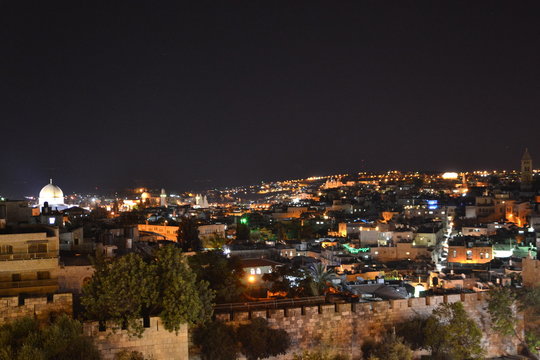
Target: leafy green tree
<point>501,310</point>
<point>60,339</point>
<point>412,332</point>
<point>128,288</point>
<point>188,234</point>
<point>451,334</point>
<point>217,341</point>
<point>259,341</point>
<point>214,241</point>
<point>224,275</point>
<point>391,348</point>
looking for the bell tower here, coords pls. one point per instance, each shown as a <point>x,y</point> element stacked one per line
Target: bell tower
<point>526,171</point>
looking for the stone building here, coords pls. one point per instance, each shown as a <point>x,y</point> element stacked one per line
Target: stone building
<point>28,260</point>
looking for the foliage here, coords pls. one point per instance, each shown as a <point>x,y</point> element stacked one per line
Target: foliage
<point>412,332</point>
<point>61,339</point>
<point>288,279</point>
<point>188,234</point>
<point>319,355</point>
<point>217,341</point>
<point>242,232</point>
<point>128,288</point>
<point>262,235</point>
<point>450,333</point>
<point>320,279</point>
<point>501,310</point>
<point>129,355</point>
<point>259,341</point>
<point>391,348</point>
<point>214,241</point>
<point>222,274</point>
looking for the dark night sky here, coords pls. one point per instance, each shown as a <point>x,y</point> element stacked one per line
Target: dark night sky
<point>236,92</point>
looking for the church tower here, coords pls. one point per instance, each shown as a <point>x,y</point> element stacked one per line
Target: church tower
<point>526,171</point>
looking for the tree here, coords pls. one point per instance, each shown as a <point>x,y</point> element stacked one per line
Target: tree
<point>319,355</point>
<point>259,341</point>
<point>451,334</point>
<point>59,339</point>
<point>287,279</point>
<point>224,275</point>
<point>391,348</point>
<point>242,232</point>
<point>128,288</point>
<point>320,278</point>
<point>188,234</point>
<point>214,241</point>
<point>501,310</point>
<point>412,332</point>
<point>217,341</point>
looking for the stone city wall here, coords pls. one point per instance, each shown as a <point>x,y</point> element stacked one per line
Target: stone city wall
<point>156,342</point>
<point>41,308</point>
<point>345,327</point>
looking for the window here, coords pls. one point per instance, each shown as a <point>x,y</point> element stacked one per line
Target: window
<point>252,271</point>
<point>487,255</point>
<point>6,249</point>
<point>469,254</point>
<point>258,271</point>
<point>454,253</point>
<point>52,221</point>
<point>37,248</point>
<point>481,255</point>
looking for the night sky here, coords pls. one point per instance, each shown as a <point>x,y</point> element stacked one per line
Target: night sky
<point>202,95</point>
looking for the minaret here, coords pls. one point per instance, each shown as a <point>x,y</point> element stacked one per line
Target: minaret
<point>526,171</point>
<point>163,198</point>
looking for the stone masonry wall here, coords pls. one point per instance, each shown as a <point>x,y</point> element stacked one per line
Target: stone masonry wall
<point>156,342</point>
<point>345,327</point>
<point>40,308</point>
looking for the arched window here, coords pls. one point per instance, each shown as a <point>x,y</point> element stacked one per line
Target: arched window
<point>258,270</point>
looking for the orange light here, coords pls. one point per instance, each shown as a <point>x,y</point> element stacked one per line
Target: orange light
<point>251,279</point>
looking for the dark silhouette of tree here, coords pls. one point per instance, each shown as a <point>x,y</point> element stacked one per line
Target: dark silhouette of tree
<point>259,341</point>
<point>188,235</point>
<point>217,341</point>
<point>224,275</point>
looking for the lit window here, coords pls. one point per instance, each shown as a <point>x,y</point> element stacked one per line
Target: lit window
<point>487,255</point>
<point>454,253</point>
<point>51,221</point>
<point>252,271</point>
<point>259,271</point>
<point>469,254</point>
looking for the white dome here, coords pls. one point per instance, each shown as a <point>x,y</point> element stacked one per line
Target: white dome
<point>51,194</point>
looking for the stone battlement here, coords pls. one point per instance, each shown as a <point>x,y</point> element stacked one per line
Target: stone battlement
<point>415,305</point>
<point>345,327</point>
<point>156,342</point>
<point>41,308</point>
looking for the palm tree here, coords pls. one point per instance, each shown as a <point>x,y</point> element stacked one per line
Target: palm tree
<point>320,278</point>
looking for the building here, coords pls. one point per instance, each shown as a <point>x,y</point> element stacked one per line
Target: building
<point>52,195</point>
<point>28,260</point>
<point>469,251</point>
<point>526,171</point>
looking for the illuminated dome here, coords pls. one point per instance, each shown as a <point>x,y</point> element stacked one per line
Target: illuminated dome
<point>51,194</point>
